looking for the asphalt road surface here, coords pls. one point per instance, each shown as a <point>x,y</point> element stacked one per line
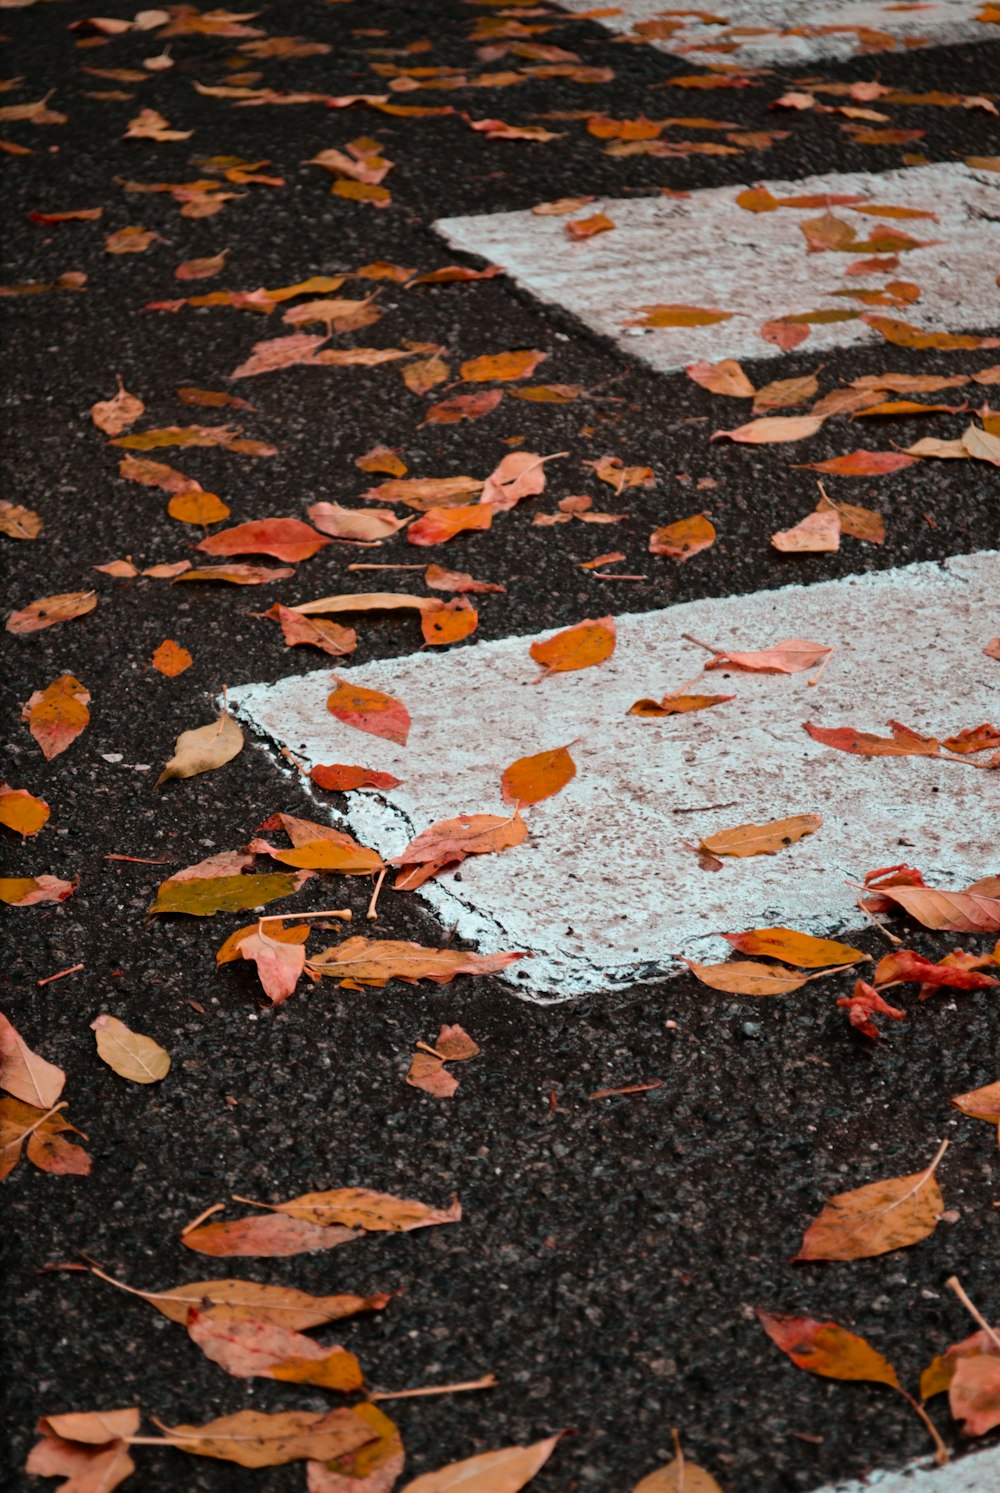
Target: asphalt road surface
<point>612,1251</point>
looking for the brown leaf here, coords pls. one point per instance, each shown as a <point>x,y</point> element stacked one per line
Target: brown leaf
<point>463,407</point>
<point>450,841</point>
<point>117,414</point>
<point>24,1074</point>
<point>762,839</point>
<point>680,1475</point>
<point>87,1468</point>
<point>252,1438</point>
<point>361,1208</point>
<point>254,1349</point>
<point>44,1134</point>
<point>264,1237</point>
<point>49,610</point>
<point>504,1471</point>
<point>279,352</point>
<point>876,1219</point>
<point>425,374</point>
<point>130,1054</point>
<point>18,522</point>
<point>786,391</point>
<point>374,1468</point>
<point>236,575</point>
<point>201,269</point>
<point>980,1104</point>
<point>203,749</point>
<point>359,961</point>
<point>247,1300</point>
<point>57,715</point>
<point>660,315</point>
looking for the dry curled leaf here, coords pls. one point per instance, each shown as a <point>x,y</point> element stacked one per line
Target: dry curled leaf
<point>132,1055</point>
<point>761,839</point>
<point>204,749</point>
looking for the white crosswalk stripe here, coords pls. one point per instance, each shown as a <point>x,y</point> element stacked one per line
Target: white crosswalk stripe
<point>706,251</point>
<point>979,1472</point>
<point>762,33</point>
<point>605,891</point>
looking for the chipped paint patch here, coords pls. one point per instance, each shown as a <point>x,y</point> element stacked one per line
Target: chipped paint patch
<point>604,892</point>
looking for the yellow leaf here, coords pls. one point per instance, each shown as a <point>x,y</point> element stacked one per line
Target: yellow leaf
<point>130,1054</point>
<point>204,749</point>
<point>747,977</point>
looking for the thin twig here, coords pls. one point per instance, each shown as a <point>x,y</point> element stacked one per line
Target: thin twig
<point>60,976</point>
<point>488,1381</point>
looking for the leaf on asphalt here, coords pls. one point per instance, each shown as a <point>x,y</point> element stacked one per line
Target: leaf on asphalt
<point>203,749</point>
<point>862,463</point>
<point>201,269</point>
<point>253,1438</point>
<point>529,780</point>
<point>363,601</point>
<point>427,1069</point>
<point>229,950</point>
<point>171,659</point>
<point>827,1349</point>
<point>785,392</point>
<point>299,631</point>
<point>370,710</point>
<point>18,522</point>
<point>363,1208</point>
<point>947,912</point>
<point>118,413</point>
<point>195,506</point>
<point>904,964</point>
<point>423,493</point>
<point>504,1471</point>
<point>578,647</point>
<point>501,367</point>
<point>520,474</point>
<point>817,533</point>
<point>761,839</point>
<point>448,622</point>
<point>359,962</point>
<point>855,521</point>
<point>24,1074</point>
<point>28,891</point>
<point>317,847</point>
<point>437,525</point>
<point>43,1133</point>
<point>463,407</point>
<point>254,1349</point>
<point>130,1054</point>
<point>200,897</point>
<point>236,575</point>
<point>772,429</point>
<point>789,657</point>
<point>365,525</point>
<point>725,377</point>
<point>248,1300</point>
<point>21,811</point>
<point>970,1371</point>
<point>132,240</point>
<point>680,1475</point>
<point>279,352</point>
<point>684,538</point>
<point>282,538</point>
<point>49,610</point>
<point>747,977</point>
<point>425,374</point>
<point>341,778</point>
<point>373,1468</point>
<point>863,1005</point>
<point>876,1219</point>
<point>980,1104</point>
<point>266,1236</point>
<point>85,1450</point>
<point>800,949</point>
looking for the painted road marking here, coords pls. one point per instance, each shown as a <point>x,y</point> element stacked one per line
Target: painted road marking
<point>760,33</point>
<point>704,250</point>
<point>604,892</point>
<point>979,1472</point>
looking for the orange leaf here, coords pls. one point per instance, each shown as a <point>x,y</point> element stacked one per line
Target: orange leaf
<point>494,367</point>
<point>529,780</point>
<point>826,1349</point>
<point>578,647</point>
<point>117,414</point>
<point>676,705</point>
<point>876,1219</point>
<point>281,538</point>
<point>726,377</point>
<point>267,1236</point>
<point>370,710</point>
<point>505,1471</point>
<point>684,538</point>
<point>817,533</point>
<point>451,840</point>
<point>317,633</point>
<point>57,715</point>
<point>279,963</point>
<point>747,977</point>
<point>789,657</point>
<point>171,659</point>
<point>252,1349</point>
<point>359,961</point>
<point>902,743</point>
<point>772,428</point>
<point>49,610</point>
<point>679,316</point>
<point>762,839</point>
<point>28,891</point>
<point>362,1208</point>
<point>901,334</point>
<point>195,506</point>
<point>439,524</point>
<point>44,1136</point>
<point>801,949</point>
<point>21,811</point>
<point>342,779</point>
<point>236,575</point>
<point>448,622</point>
<point>24,1074</point>
<point>980,1104</point>
<point>584,228</point>
<point>950,912</point>
<point>464,407</point>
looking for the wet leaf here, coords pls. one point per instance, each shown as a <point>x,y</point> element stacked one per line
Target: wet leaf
<point>529,780</point>
<point>204,749</point>
<point>437,525</point>
<point>130,1054</point>
<point>762,839</point>
<point>252,1438</point>
<point>24,1074</point>
<point>118,413</point>
<point>501,367</point>
<point>200,897</point>
<point>49,610</point>
<point>747,977</point>
<point>876,1219</point>
<point>504,1471</point>
<point>339,778</point>
<point>827,1349</point>
<point>771,429</point>
<point>43,1134</point>
<point>171,659</point>
<point>684,538</point>
<point>370,710</point>
<point>262,1350</point>
<point>300,631</point>
<point>800,949</point>
<point>28,891</point>
<point>281,538</point>
<point>57,715</point>
<point>21,811</point>
<point>578,647</point>
<point>360,961</point>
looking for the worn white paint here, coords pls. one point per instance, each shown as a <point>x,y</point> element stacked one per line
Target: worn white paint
<point>979,1472</point>
<point>604,892</point>
<point>704,250</point>
<point>762,33</point>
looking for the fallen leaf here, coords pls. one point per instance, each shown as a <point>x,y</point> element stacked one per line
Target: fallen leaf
<point>362,1208</point>
<point>236,575</point>
<point>876,1219</point>
<point>337,778</point>
<point>49,610</point>
<point>725,377</point>
<point>118,413</point>
<point>282,538</point>
<point>18,522</point>
<point>970,1371</point>
<point>28,891</point>
<point>904,741</point>
<point>440,579</point>
<point>450,841</point>
<point>501,367</point>
<point>24,1074</point>
<point>747,977</point>
<point>680,1475</point>
<point>425,374</point>
<point>171,659</point>
<point>373,1468</point>
<point>980,1104</point>
<point>789,657</point>
<point>504,1471</point>
<point>359,962</point>
<point>132,240</point>
<point>195,506</point>
<point>973,739</point>
<point>865,1003</point>
<point>150,125</point>
<point>772,428</point>
<point>903,965</point>
<point>204,749</point>
<point>88,1467</point>
<point>370,710</point>
<point>21,811</point>
<point>423,493</point>
<point>676,705</point>
<point>817,533</point>
<point>660,315</point>
<point>248,1300</point>
<point>786,391</point>
<point>800,949</point>
<point>44,1135</point>
<point>366,525</point>
<point>684,538</point>
<point>761,839</point>
<point>200,897</point>
<point>437,525</point>
<point>57,715</point>
<point>529,780</point>
<point>201,269</point>
<point>448,622</point>
<point>521,474</point>
<point>130,1054</point>
<point>299,631</point>
<point>263,1350</point>
<point>584,228</point>
<point>578,647</point>
<point>463,407</point>
<point>264,1237</point>
<point>855,521</point>
<point>901,334</point>
<point>279,352</point>
<point>827,1349</point>
<point>427,1069</point>
<point>253,1438</point>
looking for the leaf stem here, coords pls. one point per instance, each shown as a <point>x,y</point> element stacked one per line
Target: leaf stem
<point>940,1450</point>
<point>954,1284</point>
<point>488,1381</point>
